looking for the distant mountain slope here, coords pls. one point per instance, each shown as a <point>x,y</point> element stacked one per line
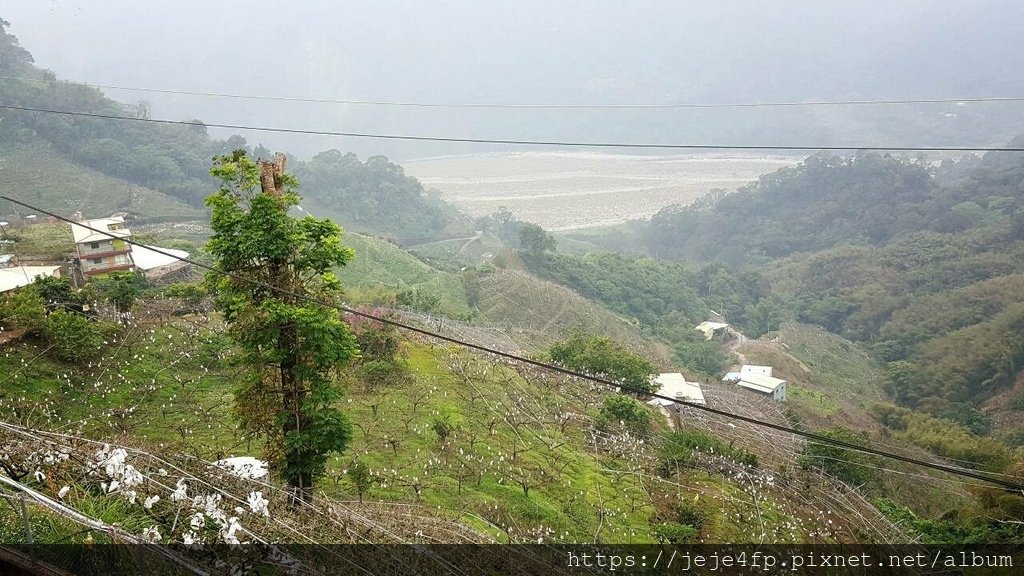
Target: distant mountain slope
<point>372,196</point>
<point>828,201</point>
<point>535,312</point>
<point>39,175</point>
<point>926,271</point>
<point>376,196</point>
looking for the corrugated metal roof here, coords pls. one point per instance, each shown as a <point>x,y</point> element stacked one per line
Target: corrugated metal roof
<point>146,259</point>
<point>11,278</point>
<point>752,369</point>
<point>674,385</point>
<point>760,382</point>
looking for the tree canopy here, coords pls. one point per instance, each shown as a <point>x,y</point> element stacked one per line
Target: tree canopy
<point>276,302</point>
<point>602,356</point>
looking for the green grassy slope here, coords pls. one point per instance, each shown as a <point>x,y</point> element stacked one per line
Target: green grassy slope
<point>538,311</point>
<point>549,311</point>
<point>514,465</point>
<point>38,175</point>
<point>381,270</point>
<point>829,377</point>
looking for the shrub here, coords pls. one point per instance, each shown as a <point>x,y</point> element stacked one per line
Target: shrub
<point>696,353</point>
<point>943,437</point>
<point>675,533</point>
<point>692,514</point>
<point>623,410</point>
<point>191,293</point>
<point>677,449</point>
<point>122,289</point>
<point>360,477</point>
<point>377,340</point>
<point>443,427</point>
<point>376,373</point>
<point>72,337</point>
<point>380,349</point>
<point>22,309</point>
<point>849,466</point>
<point>602,356</point>
<point>419,298</point>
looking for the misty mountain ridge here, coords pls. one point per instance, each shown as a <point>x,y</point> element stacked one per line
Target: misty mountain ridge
<point>370,196</point>
<point>657,52</point>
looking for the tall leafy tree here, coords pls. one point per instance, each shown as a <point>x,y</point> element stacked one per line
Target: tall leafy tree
<point>122,289</point>
<point>292,345</point>
<point>602,356</point>
<point>535,241</point>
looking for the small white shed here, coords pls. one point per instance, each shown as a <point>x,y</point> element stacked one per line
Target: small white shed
<point>674,385</point>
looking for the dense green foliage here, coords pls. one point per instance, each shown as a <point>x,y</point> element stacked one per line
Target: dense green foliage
<point>644,288</point>
<point>667,299</point>
<point>852,467</point>
<point>48,309</point>
<point>381,360</point>
<point>824,202</point>
<point>191,294</point>
<point>678,446</point>
<point>22,309</point>
<point>72,337</point>
<point>663,295</point>
<point>375,195</point>
<point>625,412</point>
<point>602,356</point>
<point>923,265</point>
<point>122,289</point>
<point>944,437</point>
<point>294,403</point>
<point>675,533</point>
<point>958,529</point>
<point>534,241</point>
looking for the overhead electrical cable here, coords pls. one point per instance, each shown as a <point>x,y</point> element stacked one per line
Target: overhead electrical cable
<point>562,144</point>
<point>1013,486</point>
<point>535,106</point>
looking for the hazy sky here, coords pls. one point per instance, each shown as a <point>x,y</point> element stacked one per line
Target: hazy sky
<point>529,51</point>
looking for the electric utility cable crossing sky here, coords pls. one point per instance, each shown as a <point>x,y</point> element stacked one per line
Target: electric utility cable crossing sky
<point>562,144</point>
<point>534,106</point>
<point>1012,486</point>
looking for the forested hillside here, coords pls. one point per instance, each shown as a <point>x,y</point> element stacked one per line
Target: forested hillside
<point>921,264</point>
<point>402,396</point>
<point>371,196</point>
<point>829,201</point>
<point>377,196</point>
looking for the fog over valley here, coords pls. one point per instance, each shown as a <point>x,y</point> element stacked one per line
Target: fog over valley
<point>557,275</point>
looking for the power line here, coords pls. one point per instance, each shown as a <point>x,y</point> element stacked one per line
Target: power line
<point>408,104</point>
<point>1013,486</point>
<point>562,144</point>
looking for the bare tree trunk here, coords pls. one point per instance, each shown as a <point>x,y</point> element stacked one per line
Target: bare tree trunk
<point>293,391</point>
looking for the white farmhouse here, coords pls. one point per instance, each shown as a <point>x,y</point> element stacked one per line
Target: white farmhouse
<point>710,329</point>
<point>109,250</point>
<point>105,250</point>
<point>758,379</point>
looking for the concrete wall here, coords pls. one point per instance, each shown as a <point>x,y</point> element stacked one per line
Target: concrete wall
<point>114,262</point>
